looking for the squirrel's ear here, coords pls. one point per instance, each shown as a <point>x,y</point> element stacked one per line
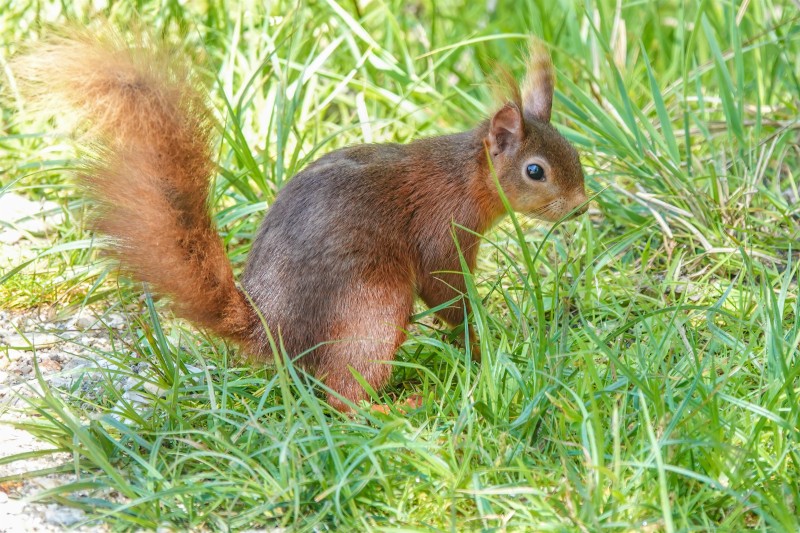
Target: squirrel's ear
<point>505,130</point>
<point>537,89</point>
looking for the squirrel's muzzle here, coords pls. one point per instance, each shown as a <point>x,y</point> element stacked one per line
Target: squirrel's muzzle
<point>581,205</point>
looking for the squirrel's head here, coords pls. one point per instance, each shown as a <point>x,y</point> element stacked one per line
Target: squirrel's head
<point>538,169</point>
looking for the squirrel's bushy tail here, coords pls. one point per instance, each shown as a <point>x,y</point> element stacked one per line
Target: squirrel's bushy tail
<point>147,132</point>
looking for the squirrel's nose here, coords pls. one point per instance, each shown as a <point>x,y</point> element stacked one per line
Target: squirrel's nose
<point>581,208</point>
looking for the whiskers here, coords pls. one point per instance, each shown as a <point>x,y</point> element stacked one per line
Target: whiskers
<point>547,211</point>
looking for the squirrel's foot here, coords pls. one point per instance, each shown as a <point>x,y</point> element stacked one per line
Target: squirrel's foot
<point>412,402</point>
<point>461,340</point>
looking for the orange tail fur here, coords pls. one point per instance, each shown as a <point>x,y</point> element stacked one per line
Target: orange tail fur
<point>148,133</point>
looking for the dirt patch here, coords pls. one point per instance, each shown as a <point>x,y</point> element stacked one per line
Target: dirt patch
<point>62,352</point>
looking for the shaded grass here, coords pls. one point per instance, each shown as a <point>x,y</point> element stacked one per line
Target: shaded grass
<point>640,365</point>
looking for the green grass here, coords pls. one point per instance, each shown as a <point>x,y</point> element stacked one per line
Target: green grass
<point>641,367</point>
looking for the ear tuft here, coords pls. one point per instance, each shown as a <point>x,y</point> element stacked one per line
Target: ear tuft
<point>537,89</point>
<point>506,130</point>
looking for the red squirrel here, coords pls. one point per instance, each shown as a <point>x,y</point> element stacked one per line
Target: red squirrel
<point>347,244</point>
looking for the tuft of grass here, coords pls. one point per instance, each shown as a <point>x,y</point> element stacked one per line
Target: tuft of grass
<point>640,365</point>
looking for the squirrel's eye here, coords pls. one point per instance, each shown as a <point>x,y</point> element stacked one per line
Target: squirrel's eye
<point>535,172</point>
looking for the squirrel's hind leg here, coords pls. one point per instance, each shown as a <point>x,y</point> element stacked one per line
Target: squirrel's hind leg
<point>367,332</point>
